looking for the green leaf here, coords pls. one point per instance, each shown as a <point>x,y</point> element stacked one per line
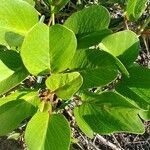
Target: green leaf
<point>137,87</point>
<point>64,85</point>
<point>62,45</point>
<point>94,38</point>
<point>16,16</point>
<point>123,44</point>
<point>53,132</point>
<point>107,100</point>
<point>139,77</point>
<point>2,37</point>
<point>15,110</point>
<point>9,98</point>
<point>28,95</point>
<point>45,106</point>
<point>31,2</point>
<point>109,112</point>
<point>12,70</point>
<point>82,124</point>
<point>121,67</point>
<point>35,49</point>
<point>97,67</point>
<point>48,49</point>
<point>14,39</point>
<point>145,115</point>
<point>135,8</point>
<point>134,95</point>
<point>90,25</point>
<point>58,4</point>
<point>88,20</point>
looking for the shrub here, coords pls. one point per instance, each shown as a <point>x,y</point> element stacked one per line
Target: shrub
<point>82,61</point>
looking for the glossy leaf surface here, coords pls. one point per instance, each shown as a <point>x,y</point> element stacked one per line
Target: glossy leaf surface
<point>94,18</point>
<point>90,25</point>
<point>41,51</point>
<point>53,132</point>
<point>17,16</point>
<point>64,85</point>
<point>123,44</point>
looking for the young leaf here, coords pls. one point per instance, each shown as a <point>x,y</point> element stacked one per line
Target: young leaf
<point>123,44</point>
<point>110,112</point>
<point>15,111</point>
<point>64,85</point>
<point>48,49</point>
<point>135,8</point>
<point>53,132</point>
<point>97,67</point>
<point>12,70</point>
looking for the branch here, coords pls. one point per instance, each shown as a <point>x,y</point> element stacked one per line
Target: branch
<point>104,141</point>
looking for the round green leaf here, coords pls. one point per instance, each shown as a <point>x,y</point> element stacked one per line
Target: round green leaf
<point>90,25</point>
<point>123,44</point>
<point>91,19</point>
<point>48,49</point>
<point>64,85</point>
<point>17,16</point>
<point>35,49</point>
<point>62,47</point>
<point>48,132</point>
